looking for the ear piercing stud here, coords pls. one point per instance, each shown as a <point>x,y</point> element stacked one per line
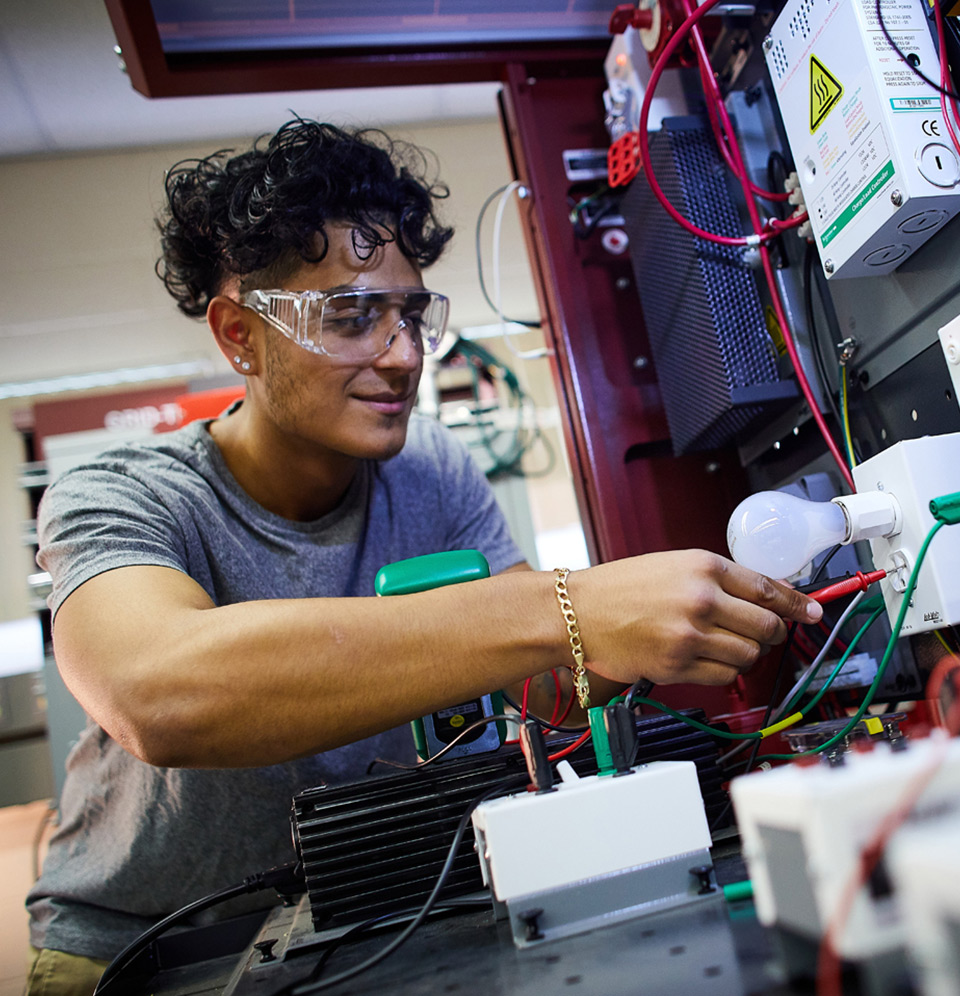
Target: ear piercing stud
<point>244,365</point>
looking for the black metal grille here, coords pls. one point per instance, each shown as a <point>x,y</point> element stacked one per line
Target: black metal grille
<point>377,846</point>
<point>715,361</point>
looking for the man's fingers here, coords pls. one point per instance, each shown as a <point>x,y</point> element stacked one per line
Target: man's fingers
<point>704,671</point>
<point>785,601</point>
<point>734,650</point>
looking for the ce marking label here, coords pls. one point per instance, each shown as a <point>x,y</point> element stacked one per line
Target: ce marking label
<point>930,127</point>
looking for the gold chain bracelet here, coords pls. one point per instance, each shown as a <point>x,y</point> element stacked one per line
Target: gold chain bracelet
<point>580,680</point>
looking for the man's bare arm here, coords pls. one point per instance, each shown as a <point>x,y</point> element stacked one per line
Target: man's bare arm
<point>181,682</point>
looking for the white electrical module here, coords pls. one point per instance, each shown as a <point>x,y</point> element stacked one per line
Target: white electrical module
<point>877,169</point>
<point>803,829</point>
<point>924,863</point>
<point>596,850</point>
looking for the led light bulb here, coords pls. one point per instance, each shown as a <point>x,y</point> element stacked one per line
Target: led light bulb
<point>777,534</point>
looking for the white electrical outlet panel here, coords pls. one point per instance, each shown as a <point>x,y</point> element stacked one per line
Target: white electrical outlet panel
<point>878,171</point>
<point>914,471</point>
<point>803,829</point>
<point>924,864</point>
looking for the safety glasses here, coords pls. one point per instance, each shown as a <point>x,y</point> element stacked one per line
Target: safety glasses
<point>356,323</point>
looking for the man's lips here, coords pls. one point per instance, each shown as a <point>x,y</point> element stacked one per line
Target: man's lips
<point>386,402</point>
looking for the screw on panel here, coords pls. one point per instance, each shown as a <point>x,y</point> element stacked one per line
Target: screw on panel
<point>767,43</point>
<point>702,874</point>
<point>266,950</point>
<point>848,349</point>
<point>828,265</point>
<point>529,919</point>
<point>896,198</point>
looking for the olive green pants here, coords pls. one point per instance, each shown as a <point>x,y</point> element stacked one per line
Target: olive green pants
<point>56,973</point>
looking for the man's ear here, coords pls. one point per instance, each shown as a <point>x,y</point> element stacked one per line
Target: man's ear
<point>231,325</point>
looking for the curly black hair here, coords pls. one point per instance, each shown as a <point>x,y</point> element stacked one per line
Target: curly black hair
<point>262,213</point>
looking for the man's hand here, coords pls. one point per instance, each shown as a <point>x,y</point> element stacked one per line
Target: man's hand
<point>683,616</point>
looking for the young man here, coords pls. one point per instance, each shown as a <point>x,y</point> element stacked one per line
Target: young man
<point>213,590</point>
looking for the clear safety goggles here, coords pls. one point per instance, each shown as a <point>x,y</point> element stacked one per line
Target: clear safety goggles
<point>357,323</point>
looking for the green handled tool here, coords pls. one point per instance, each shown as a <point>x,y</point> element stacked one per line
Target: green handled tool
<point>434,732</point>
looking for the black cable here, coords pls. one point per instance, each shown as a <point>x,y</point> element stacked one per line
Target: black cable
<point>642,688</point>
<point>752,759</point>
<point>831,553</point>
<point>742,746</point>
<point>299,989</point>
<point>497,717</point>
<point>288,880</point>
<point>777,158</point>
<point>483,286</point>
<point>483,721</point>
<point>608,203</point>
<point>538,720</point>
<point>915,69</point>
<point>361,928</point>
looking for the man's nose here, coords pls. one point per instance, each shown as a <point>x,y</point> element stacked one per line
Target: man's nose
<point>404,343</point>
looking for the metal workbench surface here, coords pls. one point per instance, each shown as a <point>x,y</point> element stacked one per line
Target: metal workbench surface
<point>708,948</point>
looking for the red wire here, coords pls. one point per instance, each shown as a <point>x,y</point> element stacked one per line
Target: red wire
<point>558,698</point>
<point>672,45</point>
<point>566,711</point>
<point>828,962</point>
<point>829,981</point>
<point>582,739</point>
<point>951,721</point>
<point>709,83</point>
<point>526,696</point>
<point>760,235</point>
<point>804,643</point>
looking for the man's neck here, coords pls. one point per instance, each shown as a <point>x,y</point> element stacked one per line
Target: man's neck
<point>281,475</point>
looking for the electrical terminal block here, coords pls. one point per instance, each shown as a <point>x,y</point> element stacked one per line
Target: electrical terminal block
<point>642,844</point>
<point>870,730</point>
<point>804,828</point>
<point>858,671</point>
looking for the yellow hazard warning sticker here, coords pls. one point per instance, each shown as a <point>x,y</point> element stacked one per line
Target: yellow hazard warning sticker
<point>825,91</point>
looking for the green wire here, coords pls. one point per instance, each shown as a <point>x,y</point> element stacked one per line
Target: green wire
<point>847,437</point>
<point>696,724</point>
<point>868,698</point>
<point>787,709</point>
<point>757,734</point>
<point>888,654</point>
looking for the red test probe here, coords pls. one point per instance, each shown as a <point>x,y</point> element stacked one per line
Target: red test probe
<point>856,582</point>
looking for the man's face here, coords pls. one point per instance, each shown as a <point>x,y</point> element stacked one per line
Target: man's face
<point>320,404</point>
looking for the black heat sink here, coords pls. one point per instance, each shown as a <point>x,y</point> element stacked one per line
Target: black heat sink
<point>716,363</point>
<point>377,846</point>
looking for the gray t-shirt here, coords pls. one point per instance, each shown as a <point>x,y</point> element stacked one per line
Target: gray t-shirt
<point>137,842</point>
